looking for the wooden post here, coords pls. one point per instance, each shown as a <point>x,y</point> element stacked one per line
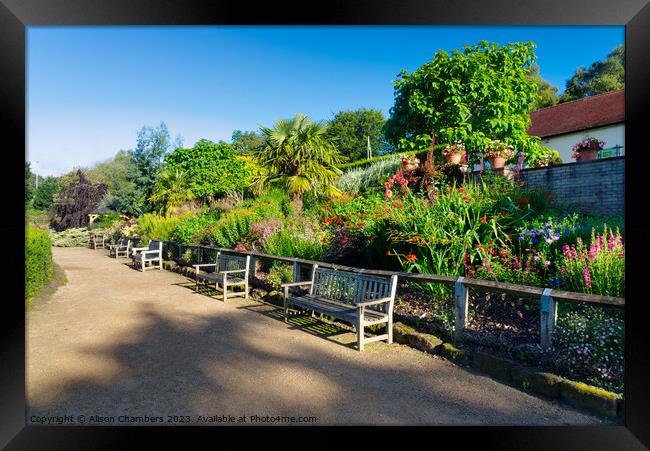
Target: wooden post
<point>547,318</point>
<point>461,297</point>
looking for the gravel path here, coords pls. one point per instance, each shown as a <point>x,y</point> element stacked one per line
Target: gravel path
<point>118,346</point>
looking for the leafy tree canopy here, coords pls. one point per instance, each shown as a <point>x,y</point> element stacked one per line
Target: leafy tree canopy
<point>351,130</point>
<point>171,190</point>
<point>300,155</point>
<point>152,145</point>
<point>76,201</point>
<point>601,77</point>
<point>245,142</point>
<point>474,96</point>
<point>119,173</point>
<point>547,92</point>
<point>212,168</point>
<point>45,193</point>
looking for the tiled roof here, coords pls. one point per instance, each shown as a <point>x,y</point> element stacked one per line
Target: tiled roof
<point>581,114</point>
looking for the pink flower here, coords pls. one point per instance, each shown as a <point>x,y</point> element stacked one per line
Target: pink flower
<point>388,193</point>
<point>587,277</point>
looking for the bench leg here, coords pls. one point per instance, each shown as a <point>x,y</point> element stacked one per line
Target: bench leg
<point>389,329</point>
<point>225,290</point>
<point>359,327</point>
<point>286,310</point>
<point>246,290</point>
<point>143,264</point>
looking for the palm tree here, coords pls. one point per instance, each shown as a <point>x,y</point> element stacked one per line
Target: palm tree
<point>171,190</point>
<point>300,155</point>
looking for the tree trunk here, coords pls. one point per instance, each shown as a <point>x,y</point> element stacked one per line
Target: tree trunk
<point>296,199</point>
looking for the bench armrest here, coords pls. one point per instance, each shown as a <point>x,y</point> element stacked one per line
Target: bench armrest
<point>134,249</point>
<point>375,302</point>
<point>204,264</point>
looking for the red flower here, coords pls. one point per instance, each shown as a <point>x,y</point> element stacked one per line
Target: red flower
<point>411,257</point>
<point>328,220</point>
<point>372,238</point>
<point>523,200</point>
<point>467,198</point>
<point>483,219</point>
<point>388,252</point>
<point>345,240</point>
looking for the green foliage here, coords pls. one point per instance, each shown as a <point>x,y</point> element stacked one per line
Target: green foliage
<point>601,77</point>
<point>474,96</point>
<point>154,227</point>
<point>212,169</point>
<point>351,129</point>
<point>46,193</point>
<point>229,229</point>
<point>119,174</point>
<point>547,93</point>
<point>73,237</point>
<point>358,180</point>
<point>170,191</point>
<point>39,267</point>
<point>246,142</point>
<point>300,156</point>
<point>421,154</point>
<point>280,273</point>
<point>299,237</point>
<point>189,230</point>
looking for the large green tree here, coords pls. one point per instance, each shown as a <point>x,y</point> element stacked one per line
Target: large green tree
<point>152,145</point>
<point>475,95</point>
<point>46,193</point>
<point>601,77</point>
<point>547,92</point>
<point>119,174</point>
<point>351,130</point>
<point>300,155</point>
<point>213,169</point>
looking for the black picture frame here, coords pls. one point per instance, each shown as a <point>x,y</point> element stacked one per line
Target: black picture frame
<point>16,15</point>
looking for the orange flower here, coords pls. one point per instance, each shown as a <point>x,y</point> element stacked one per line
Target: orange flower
<point>467,198</point>
<point>483,219</point>
<point>327,220</point>
<point>411,257</point>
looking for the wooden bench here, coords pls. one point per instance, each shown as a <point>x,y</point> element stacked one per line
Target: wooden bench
<point>97,241</point>
<point>120,249</point>
<point>360,299</point>
<point>150,254</point>
<point>229,271</point>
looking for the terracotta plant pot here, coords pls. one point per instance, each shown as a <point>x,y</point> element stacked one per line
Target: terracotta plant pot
<point>497,162</point>
<point>587,155</point>
<point>454,158</point>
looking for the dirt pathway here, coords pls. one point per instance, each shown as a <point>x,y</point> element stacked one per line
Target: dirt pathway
<point>128,347</point>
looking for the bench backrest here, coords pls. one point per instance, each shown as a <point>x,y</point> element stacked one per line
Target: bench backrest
<point>226,262</point>
<point>155,245</point>
<point>351,287</point>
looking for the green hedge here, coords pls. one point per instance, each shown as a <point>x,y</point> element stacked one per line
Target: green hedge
<point>38,260</point>
<point>421,154</point>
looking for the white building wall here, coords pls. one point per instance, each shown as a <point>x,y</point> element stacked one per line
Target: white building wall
<point>613,135</point>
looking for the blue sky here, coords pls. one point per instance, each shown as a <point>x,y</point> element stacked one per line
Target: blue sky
<point>90,89</point>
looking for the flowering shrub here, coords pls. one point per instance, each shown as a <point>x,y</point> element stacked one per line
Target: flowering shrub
<point>278,274</point>
<point>298,238</point>
<point>588,345</point>
<point>596,269</point>
<point>589,143</point>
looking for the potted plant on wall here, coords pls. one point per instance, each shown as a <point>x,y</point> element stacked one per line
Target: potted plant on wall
<point>454,153</point>
<point>587,149</point>
<point>498,153</point>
